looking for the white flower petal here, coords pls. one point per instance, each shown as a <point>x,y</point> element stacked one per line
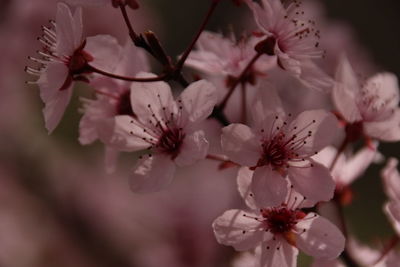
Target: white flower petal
<point>193,148</point>
<point>269,187</point>
<point>52,80</point>
<point>149,98</point>
<point>105,51</point>
<point>312,181</point>
<point>128,135</point>
<point>68,30</point>
<point>391,179</point>
<point>318,128</point>
<point>87,131</point>
<point>346,90</point>
<point>356,165</point>
<point>152,174</point>
<point>235,228</point>
<point>385,86</point>
<point>388,130</point>
<point>54,108</point>
<point>278,253</point>
<point>133,60</point>
<point>314,77</point>
<point>244,178</point>
<point>321,238</point>
<point>267,103</point>
<point>240,144</point>
<point>198,101</point>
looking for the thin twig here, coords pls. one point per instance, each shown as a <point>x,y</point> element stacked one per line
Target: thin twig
<point>239,80</point>
<point>162,77</point>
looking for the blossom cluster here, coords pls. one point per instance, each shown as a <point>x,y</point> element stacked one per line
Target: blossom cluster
<point>290,158</point>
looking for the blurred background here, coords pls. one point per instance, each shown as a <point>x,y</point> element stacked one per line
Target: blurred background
<point>59,208</point>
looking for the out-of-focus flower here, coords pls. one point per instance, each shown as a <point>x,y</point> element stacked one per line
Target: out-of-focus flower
<point>167,127</point>
<point>116,3</point>
<point>280,230</point>
<point>64,59</point>
<point>279,146</point>
<point>363,255</point>
<point>391,182</point>
<point>113,99</point>
<point>347,168</point>
<point>371,109</point>
<point>227,57</point>
<point>293,38</point>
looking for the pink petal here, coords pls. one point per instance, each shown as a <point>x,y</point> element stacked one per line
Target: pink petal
<point>391,179</point>
<point>269,187</point>
<point>318,128</point>
<point>314,77</point>
<point>105,51</point>
<point>278,253</point>
<point>392,210</point>
<point>244,178</point>
<point>149,98</point>
<point>68,30</point>
<point>288,63</point>
<point>198,101</point>
<point>267,104</point>
<point>240,144</point>
<point>357,165</point>
<point>312,181</point>
<point>152,173</point>
<point>52,80</point>
<point>132,61</point>
<point>319,238</point>
<point>384,85</point>
<point>234,228</point>
<point>346,90</point>
<point>87,133</point>
<point>388,130</point>
<point>128,135</point>
<point>211,49</point>
<point>54,108</point>
<point>268,14</point>
<point>194,148</point>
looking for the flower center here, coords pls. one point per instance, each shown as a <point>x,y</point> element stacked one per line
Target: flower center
<point>77,63</point>
<point>171,141</point>
<point>124,106</point>
<point>275,152</point>
<point>354,131</point>
<point>281,220</point>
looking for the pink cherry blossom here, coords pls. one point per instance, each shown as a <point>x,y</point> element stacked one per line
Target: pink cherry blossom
<point>65,58</point>
<point>280,146</point>
<point>227,57</point>
<point>293,38</point>
<point>112,99</point>
<point>391,182</point>
<point>369,109</point>
<point>168,127</point>
<point>279,230</point>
